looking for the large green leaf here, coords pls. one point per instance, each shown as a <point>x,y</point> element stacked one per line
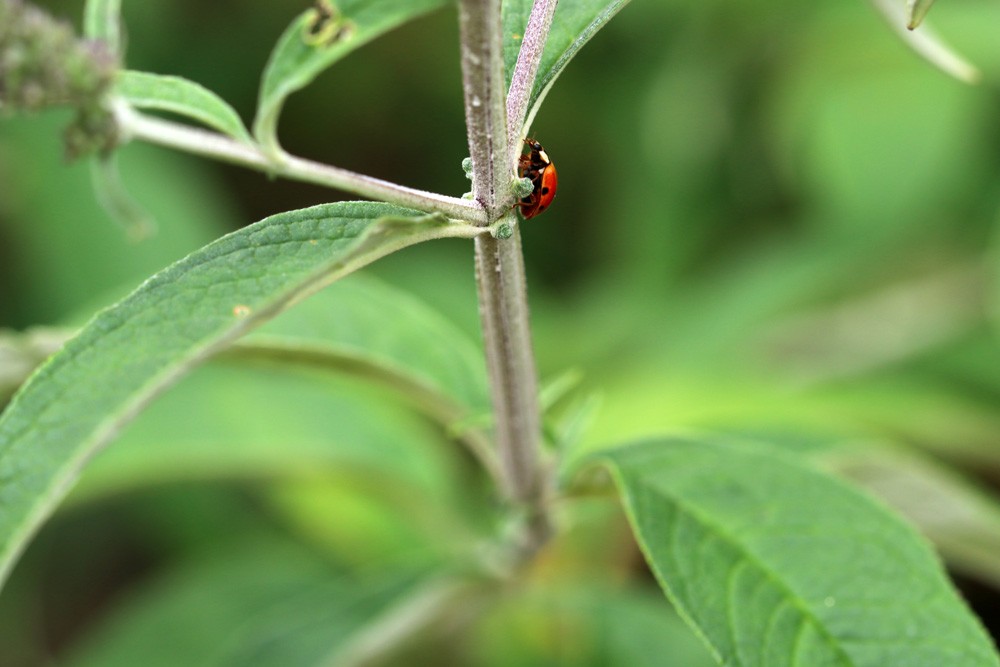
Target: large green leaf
<point>961,520</point>
<point>270,423</point>
<point>78,400</point>
<point>778,564</point>
<point>362,323</point>
<point>314,42</point>
<point>574,23</point>
<point>263,603</point>
<point>160,92</point>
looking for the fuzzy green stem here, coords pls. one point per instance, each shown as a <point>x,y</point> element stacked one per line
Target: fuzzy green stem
<point>500,268</point>
<point>214,145</point>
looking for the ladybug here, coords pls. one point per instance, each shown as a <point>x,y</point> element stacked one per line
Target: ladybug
<point>537,167</point>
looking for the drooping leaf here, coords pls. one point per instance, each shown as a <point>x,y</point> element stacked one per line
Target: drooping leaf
<point>175,94</point>
<point>269,424</point>
<point>925,41</point>
<point>775,563</point>
<point>574,23</point>
<point>102,20</point>
<point>115,199</point>
<point>364,322</point>
<point>77,401</point>
<point>315,40</point>
<point>916,10</point>
<point>259,604</point>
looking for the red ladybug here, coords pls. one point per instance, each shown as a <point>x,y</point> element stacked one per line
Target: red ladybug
<point>537,167</point>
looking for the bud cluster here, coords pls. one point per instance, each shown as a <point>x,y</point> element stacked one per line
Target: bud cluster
<point>43,64</point>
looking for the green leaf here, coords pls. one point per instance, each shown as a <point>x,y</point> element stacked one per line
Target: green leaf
<point>102,20</point>
<point>925,41</point>
<point>573,24</point>
<point>366,326</point>
<point>265,424</point>
<point>961,520</point>
<point>160,92</point>
<point>115,199</point>
<point>314,41</point>
<point>586,622</point>
<point>258,604</point>
<point>916,10</point>
<point>77,401</point>
<point>22,353</point>
<point>775,563</point>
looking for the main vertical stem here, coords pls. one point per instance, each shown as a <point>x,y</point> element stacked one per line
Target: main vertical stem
<point>511,363</point>
<point>500,265</point>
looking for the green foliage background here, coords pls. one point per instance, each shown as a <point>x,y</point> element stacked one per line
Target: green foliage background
<point>772,218</point>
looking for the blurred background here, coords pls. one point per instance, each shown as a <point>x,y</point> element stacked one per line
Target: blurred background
<point>773,218</point>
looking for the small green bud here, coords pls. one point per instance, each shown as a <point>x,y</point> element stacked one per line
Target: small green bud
<point>467,167</point>
<point>502,230</point>
<point>467,195</point>
<point>523,187</point>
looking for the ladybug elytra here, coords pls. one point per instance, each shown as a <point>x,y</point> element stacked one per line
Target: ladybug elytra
<point>537,167</point>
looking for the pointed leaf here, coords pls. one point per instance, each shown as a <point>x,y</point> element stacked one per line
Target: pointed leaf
<point>927,43</point>
<point>916,10</point>
<point>573,24</point>
<point>161,92</point>
<point>775,563</point>
<point>317,39</point>
<point>78,400</point>
<point>115,199</point>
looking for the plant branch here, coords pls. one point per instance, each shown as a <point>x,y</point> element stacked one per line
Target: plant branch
<point>220,147</point>
<point>485,109</point>
<point>523,80</point>
<point>500,270</point>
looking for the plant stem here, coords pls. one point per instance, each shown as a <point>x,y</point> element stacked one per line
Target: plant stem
<point>523,80</point>
<point>217,146</point>
<point>500,268</point>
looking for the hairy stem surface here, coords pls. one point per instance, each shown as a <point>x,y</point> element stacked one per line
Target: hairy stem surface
<point>500,268</point>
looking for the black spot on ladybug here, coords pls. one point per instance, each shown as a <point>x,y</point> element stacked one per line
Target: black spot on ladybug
<point>545,191</point>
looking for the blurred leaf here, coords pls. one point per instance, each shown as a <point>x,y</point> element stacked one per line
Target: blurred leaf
<point>160,92</point>
<point>963,522</point>
<point>64,255</point>
<point>776,563</point>
<point>102,20</point>
<point>925,41</point>
<point>916,10</point>
<point>128,354</point>
<point>364,322</point>
<point>22,353</point>
<point>270,424</point>
<point>258,604</point>
<point>383,521</point>
<point>573,24</point>
<point>116,201</point>
<point>586,624</point>
<point>317,39</point>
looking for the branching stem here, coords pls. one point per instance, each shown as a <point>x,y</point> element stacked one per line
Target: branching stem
<point>220,147</point>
